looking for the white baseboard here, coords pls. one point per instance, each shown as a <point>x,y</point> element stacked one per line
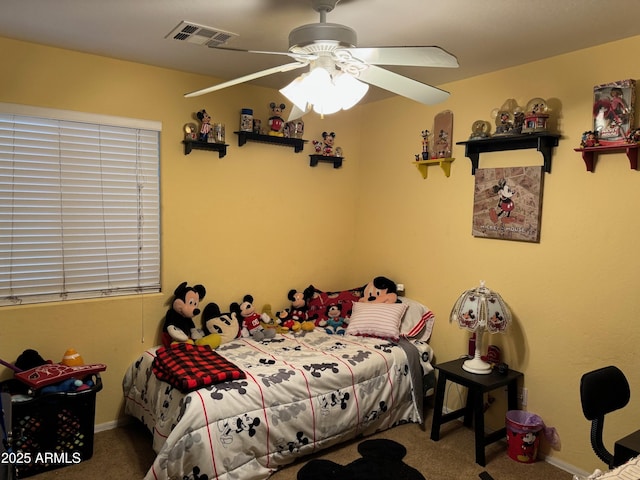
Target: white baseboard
<point>111,425</point>
<point>572,469</point>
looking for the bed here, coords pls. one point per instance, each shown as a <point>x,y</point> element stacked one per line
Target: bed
<point>627,471</point>
<point>300,394</point>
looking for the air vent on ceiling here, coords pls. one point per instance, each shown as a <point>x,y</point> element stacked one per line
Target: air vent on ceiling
<point>200,35</point>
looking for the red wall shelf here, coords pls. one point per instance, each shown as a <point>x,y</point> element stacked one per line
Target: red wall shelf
<point>590,154</point>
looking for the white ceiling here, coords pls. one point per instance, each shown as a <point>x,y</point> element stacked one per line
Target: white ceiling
<point>485,35</point>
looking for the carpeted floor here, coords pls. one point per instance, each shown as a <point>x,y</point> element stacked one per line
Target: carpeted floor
<point>126,453</point>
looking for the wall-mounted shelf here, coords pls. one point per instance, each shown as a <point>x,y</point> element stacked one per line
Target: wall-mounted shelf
<point>543,142</point>
<point>314,159</point>
<point>445,165</point>
<point>189,145</point>
<point>296,143</point>
<point>590,154</point>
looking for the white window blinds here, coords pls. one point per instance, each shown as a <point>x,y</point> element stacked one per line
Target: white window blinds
<point>79,208</point>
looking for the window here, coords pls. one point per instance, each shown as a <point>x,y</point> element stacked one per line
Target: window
<point>79,205</point>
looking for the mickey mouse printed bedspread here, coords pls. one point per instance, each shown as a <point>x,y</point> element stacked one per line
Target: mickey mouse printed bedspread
<point>300,394</point>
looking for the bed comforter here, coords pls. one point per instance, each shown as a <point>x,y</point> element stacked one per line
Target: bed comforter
<point>301,394</point>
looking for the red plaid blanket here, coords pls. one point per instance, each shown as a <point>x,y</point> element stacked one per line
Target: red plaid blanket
<point>188,367</point>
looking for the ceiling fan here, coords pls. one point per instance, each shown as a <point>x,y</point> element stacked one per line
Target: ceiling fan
<point>333,48</point>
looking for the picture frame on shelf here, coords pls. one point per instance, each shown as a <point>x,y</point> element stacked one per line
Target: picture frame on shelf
<point>507,203</point>
<point>614,111</point>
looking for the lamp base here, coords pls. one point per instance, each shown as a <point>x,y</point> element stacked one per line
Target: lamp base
<point>477,365</point>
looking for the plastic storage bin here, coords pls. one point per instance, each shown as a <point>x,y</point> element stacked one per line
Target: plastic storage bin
<point>53,430</point>
<point>523,429</point>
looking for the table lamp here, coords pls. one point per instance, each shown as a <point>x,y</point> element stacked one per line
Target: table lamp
<point>477,310</point>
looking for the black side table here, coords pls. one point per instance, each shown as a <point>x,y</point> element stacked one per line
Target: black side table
<point>626,448</point>
<point>473,411</point>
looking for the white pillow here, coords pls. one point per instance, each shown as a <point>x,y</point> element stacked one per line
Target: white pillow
<point>381,320</point>
<point>417,321</point>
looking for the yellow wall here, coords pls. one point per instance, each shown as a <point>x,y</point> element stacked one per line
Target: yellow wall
<point>574,294</point>
<point>262,221</point>
<point>258,221</point>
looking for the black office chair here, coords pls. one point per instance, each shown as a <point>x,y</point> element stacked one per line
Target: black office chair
<point>602,391</point>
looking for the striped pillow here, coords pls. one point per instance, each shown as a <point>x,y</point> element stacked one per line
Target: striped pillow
<point>417,321</point>
<point>381,320</point>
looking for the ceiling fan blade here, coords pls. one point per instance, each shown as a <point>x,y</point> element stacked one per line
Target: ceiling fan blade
<point>247,78</point>
<point>404,86</point>
<point>405,56</point>
<point>297,56</point>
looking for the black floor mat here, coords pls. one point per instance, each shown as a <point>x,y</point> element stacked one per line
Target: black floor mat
<point>381,460</point>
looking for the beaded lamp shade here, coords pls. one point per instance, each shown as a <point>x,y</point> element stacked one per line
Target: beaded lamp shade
<point>478,310</point>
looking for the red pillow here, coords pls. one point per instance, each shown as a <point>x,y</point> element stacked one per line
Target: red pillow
<point>317,305</point>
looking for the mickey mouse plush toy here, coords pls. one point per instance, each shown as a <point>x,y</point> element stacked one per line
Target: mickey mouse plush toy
<point>299,308</point>
<point>251,326</point>
<point>334,324</point>
<point>178,323</point>
<point>218,327</point>
<point>380,290</point>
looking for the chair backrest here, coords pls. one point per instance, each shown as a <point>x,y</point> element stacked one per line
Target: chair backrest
<point>602,391</point>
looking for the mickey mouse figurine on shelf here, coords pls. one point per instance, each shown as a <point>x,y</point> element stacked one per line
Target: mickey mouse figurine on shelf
<point>425,144</point>
<point>589,139</point>
<point>325,147</point>
<point>634,136</point>
<point>328,139</point>
<point>276,122</point>
<point>205,125</point>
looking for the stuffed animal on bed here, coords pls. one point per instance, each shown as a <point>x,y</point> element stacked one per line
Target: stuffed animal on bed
<point>178,323</point>
<point>266,317</point>
<point>218,327</point>
<point>380,290</point>
<point>275,321</point>
<point>335,323</point>
<point>251,320</point>
<point>285,321</point>
<point>299,310</point>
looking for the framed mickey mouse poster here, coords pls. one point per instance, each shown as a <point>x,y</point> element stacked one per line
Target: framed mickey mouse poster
<point>507,203</point>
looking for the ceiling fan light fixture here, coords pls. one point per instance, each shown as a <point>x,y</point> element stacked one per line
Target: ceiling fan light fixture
<point>327,106</point>
<point>296,92</point>
<point>326,93</point>
<point>309,88</point>
<point>350,89</point>
<point>321,92</point>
